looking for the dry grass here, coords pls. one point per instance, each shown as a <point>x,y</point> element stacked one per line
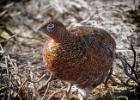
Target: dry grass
<point>22,72</point>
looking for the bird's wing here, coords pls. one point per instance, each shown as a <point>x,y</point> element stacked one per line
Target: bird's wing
<point>95,39</point>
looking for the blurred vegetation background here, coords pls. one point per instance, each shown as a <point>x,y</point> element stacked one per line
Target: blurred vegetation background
<point>22,72</point>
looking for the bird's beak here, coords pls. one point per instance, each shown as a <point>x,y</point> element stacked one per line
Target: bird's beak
<point>42,32</point>
<point>41,29</point>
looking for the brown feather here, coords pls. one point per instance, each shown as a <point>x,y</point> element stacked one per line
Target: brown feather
<point>82,55</point>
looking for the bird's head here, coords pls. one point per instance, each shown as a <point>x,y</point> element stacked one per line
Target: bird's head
<point>54,29</point>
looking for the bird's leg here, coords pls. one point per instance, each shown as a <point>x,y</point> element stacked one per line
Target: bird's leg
<point>69,87</point>
<point>68,91</point>
<point>83,93</point>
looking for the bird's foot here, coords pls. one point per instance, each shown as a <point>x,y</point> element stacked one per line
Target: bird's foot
<point>82,93</point>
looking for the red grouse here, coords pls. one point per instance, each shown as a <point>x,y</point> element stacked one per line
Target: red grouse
<point>82,55</point>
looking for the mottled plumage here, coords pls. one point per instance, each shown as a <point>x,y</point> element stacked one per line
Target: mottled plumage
<point>82,55</point>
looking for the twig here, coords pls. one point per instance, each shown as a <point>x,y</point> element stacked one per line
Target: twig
<point>125,68</point>
<point>43,98</point>
<point>124,83</point>
<point>134,52</point>
<point>3,88</point>
<point>59,90</point>
<point>22,84</point>
<point>47,84</point>
<point>122,97</point>
<point>8,74</point>
<point>3,13</point>
<point>38,80</point>
<point>108,76</point>
<point>13,35</point>
<point>41,35</point>
<point>2,50</point>
<point>127,73</point>
<point>134,2</point>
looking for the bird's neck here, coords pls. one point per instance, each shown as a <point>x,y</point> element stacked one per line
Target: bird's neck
<point>61,38</point>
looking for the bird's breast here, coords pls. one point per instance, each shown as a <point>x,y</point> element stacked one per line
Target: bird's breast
<point>58,55</point>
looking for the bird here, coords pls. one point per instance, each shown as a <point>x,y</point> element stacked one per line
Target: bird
<point>82,55</point>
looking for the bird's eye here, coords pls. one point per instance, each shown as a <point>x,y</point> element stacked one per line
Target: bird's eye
<point>50,26</point>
